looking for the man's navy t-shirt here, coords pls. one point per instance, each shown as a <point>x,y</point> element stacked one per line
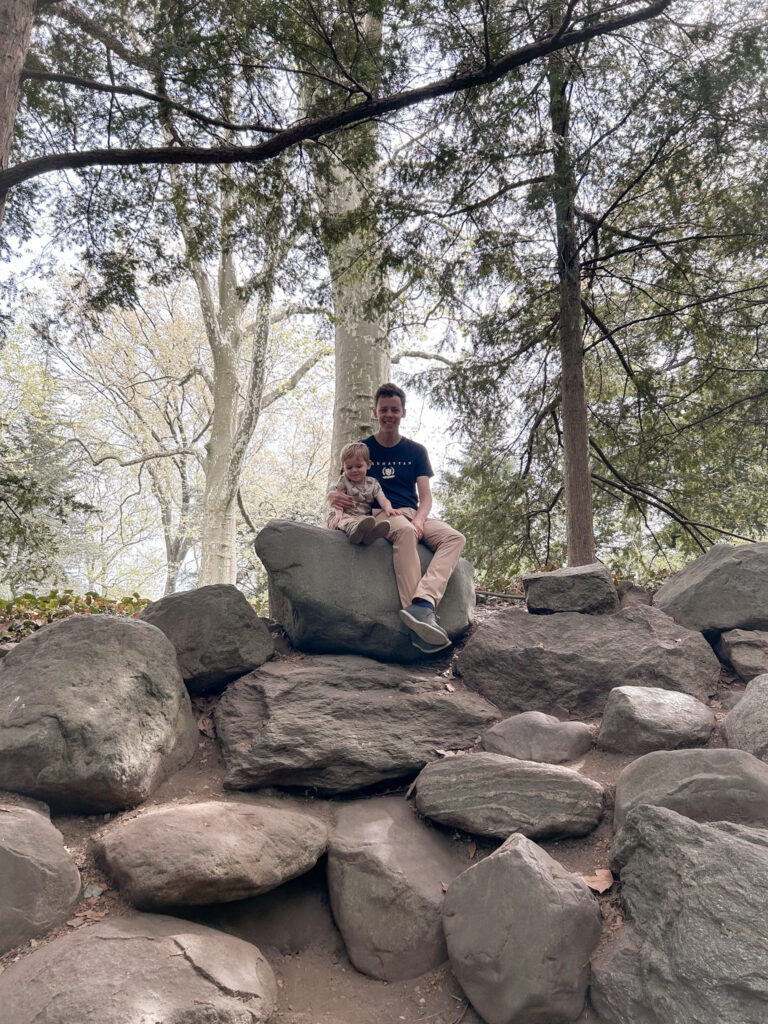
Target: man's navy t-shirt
<point>397,468</point>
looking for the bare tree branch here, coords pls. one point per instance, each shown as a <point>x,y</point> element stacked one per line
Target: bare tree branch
<point>68,12</point>
<point>284,312</point>
<point>33,74</point>
<point>244,513</point>
<point>293,380</point>
<point>97,461</point>
<point>412,353</point>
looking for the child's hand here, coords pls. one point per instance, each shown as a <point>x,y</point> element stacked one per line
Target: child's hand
<point>393,511</point>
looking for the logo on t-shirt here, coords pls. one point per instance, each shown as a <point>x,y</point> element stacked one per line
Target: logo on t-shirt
<point>388,471</point>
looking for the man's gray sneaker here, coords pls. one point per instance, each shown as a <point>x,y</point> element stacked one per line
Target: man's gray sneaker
<point>361,529</point>
<point>424,624</point>
<point>424,646</point>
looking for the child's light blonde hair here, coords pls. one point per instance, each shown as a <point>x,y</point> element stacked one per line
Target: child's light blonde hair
<point>355,448</point>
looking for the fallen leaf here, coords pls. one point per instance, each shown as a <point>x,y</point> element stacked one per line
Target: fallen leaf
<point>206,727</point>
<point>450,688</point>
<point>445,886</point>
<point>472,849</point>
<point>600,881</point>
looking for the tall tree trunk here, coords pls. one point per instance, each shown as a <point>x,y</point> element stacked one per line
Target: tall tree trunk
<point>219,549</point>
<point>346,183</point>
<point>16,18</point>
<point>578,484</point>
<point>234,421</point>
<point>349,230</point>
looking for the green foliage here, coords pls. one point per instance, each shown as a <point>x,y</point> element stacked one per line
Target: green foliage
<point>668,147</point>
<point>23,615</point>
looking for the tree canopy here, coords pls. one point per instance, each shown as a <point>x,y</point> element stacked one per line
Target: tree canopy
<point>561,203</point>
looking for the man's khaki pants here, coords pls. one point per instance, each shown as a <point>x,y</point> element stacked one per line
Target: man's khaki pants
<point>441,538</point>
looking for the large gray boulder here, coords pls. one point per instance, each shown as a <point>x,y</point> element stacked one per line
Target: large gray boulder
<point>39,883</point>
<point>520,930</point>
<point>333,597</point>
<point>725,588</point>
<point>579,588</point>
<point>746,725</point>
<point>534,736</point>
<point>569,662</point>
<point>216,633</point>
<point>746,650</point>
<point>386,872</point>
<point>706,785</point>
<point>639,719</point>
<point>210,852</point>
<point>94,714</point>
<point>147,969</point>
<point>339,723</point>
<point>494,795</point>
<point>694,948</point>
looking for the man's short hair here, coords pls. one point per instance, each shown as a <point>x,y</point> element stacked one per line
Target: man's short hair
<point>388,390</point>
<point>355,448</point>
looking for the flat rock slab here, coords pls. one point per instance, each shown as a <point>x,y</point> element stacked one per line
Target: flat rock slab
<point>581,588</point>
<point>210,852</point>
<point>386,872</point>
<point>569,662</point>
<point>333,597</point>
<point>146,969</point>
<point>694,947</point>
<point>706,785</point>
<point>746,650</point>
<point>93,714</point>
<point>746,725</point>
<point>216,633</point>
<point>39,883</point>
<point>534,736</point>
<point>494,795</point>
<point>339,723</point>
<point>639,719</point>
<point>520,930</point>
<point>725,588</point>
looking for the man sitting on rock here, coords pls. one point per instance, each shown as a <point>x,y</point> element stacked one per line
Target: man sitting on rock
<point>403,469</point>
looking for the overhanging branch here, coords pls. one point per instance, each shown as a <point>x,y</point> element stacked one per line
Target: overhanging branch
<point>315,128</point>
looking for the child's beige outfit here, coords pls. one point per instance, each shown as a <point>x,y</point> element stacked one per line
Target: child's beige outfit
<point>364,495</point>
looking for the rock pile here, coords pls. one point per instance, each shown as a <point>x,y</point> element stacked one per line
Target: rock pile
<point>95,713</point>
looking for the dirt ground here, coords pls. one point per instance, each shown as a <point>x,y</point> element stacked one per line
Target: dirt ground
<point>293,925</point>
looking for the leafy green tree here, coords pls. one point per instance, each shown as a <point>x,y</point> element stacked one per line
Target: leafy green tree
<point>39,485</point>
<point>665,265</point>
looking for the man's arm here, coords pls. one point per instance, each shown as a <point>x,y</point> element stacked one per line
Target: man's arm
<point>339,499</point>
<point>424,492</point>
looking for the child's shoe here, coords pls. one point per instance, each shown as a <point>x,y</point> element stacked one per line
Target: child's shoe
<point>361,529</point>
<point>380,530</point>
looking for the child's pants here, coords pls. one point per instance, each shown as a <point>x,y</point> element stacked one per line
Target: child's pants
<point>345,523</point>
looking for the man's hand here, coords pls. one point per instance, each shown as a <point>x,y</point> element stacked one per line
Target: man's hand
<point>418,524</point>
<point>340,500</point>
